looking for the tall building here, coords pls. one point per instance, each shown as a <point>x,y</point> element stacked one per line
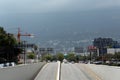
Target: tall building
<point>103,43</point>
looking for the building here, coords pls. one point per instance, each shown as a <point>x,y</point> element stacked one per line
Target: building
<point>79,51</point>
<point>113,50</point>
<point>101,51</point>
<point>103,43</point>
<point>92,50</point>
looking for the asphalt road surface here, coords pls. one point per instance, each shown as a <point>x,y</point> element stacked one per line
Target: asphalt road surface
<point>74,72</point>
<point>69,71</point>
<point>48,72</point>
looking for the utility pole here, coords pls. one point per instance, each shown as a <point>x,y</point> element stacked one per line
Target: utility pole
<point>24,43</point>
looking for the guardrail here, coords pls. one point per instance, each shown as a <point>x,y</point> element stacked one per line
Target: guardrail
<point>21,72</point>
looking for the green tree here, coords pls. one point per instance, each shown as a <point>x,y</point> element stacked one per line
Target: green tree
<point>80,58</point>
<point>117,56</point>
<point>108,57</point>
<point>77,58</point>
<point>54,58</point>
<point>60,57</point>
<point>6,39</point>
<point>47,57</point>
<point>31,56</point>
<point>7,42</point>
<point>71,57</point>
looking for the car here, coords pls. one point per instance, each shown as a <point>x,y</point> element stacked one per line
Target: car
<point>97,62</point>
<point>8,64</point>
<point>1,65</point>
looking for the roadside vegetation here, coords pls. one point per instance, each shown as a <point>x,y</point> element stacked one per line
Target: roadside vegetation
<point>31,55</point>
<point>60,56</point>
<point>108,59</point>
<point>8,51</point>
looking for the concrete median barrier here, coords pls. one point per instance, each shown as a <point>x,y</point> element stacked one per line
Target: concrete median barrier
<point>21,72</point>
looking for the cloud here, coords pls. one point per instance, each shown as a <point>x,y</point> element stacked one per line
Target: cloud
<point>30,6</point>
<point>46,6</point>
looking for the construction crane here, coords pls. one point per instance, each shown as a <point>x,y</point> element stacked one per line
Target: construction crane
<point>19,35</point>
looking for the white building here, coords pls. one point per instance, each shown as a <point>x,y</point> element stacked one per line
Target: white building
<point>113,50</point>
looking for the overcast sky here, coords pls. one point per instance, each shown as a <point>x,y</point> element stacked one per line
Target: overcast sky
<point>47,6</point>
<point>60,16</point>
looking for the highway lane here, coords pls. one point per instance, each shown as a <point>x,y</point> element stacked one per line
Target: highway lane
<point>48,72</point>
<point>73,72</point>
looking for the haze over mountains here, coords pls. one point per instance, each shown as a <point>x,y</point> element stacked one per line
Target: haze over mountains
<point>62,19</point>
<point>66,25</point>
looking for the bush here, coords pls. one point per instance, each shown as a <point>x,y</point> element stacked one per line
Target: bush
<point>31,56</point>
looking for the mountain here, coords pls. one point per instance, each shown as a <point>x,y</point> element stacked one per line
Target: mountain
<point>79,25</point>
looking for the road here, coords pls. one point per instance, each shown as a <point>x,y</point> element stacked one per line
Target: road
<point>106,72</point>
<point>69,71</point>
<point>74,72</point>
<point>48,72</point>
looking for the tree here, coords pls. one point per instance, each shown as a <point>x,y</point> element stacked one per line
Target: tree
<point>71,57</point>
<point>47,57</point>
<point>80,58</point>
<point>7,49</point>
<point>108,57</point>
<point>77,58</point>
<point>60,57</point>
<point>6,39</point>
<point>117,56</point>
<point>54,58</point>
<point>31,56</point>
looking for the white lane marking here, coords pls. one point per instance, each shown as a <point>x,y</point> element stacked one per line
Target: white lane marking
<point>58,71</point>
